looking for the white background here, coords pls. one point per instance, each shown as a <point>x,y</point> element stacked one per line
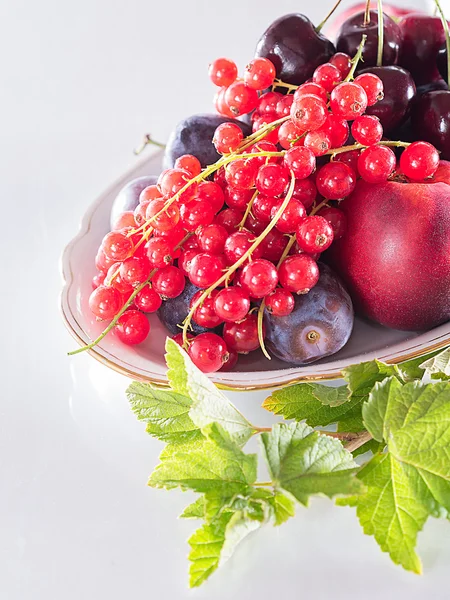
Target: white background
<point>80,83</point>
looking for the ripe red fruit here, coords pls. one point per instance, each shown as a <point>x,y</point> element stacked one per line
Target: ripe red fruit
<point>327,76</point>
<point>299,273</point>
<point>280,302</point>
<point>205,314</point>
<point>188,163</point>
<point>259,277</point>
<point>291,217</point>
<point>169,282</point>
<point>148,300</point>
<point>232,304</point>
<point>117,246</point>
<point>301,161</point>
<point>208,352</point>
<point>240,98</point>
<point>205,269</point>
<point>313,89</point>
<point>227,138</point>
<point>335,180</point>
<point>242,337</point>
<point>241,173</point>
<point>314,234</point>
<point>259,73</point>
<point>372,85</point>
<point>348,100</point>
<point>135,270</point>
<point>223,72</point>
<point>238,243</point>
<point>336,218</point>
<point>211,191</point>
<point>212,238</point>
<point>367,130</point>
<point>396,261</point>
<point>309,112</point>
<point>272,179</point>
<point>419,161</point>
<point>376,163</point>
<point>132,327</point>
<point>105,302</point>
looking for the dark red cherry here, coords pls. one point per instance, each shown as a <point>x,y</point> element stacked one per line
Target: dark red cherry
<point>352,30</point>
<point>430,118</point>
<point>399,90</point>
<point>442,63</point>
<point>293,45</point>
<point>423,36</point>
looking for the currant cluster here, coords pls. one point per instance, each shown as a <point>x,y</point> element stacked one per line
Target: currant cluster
<point>248,231</point>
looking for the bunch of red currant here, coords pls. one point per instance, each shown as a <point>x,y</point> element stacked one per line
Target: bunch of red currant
<point>249,238</point>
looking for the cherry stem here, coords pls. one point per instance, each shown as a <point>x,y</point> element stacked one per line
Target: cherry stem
<point>148,141</point>
<point>366,20</point>
<point>355,60</point>
<point>238,263</point>
<point>380,34</point>
<point>320,26</point>
<point>447,36</point>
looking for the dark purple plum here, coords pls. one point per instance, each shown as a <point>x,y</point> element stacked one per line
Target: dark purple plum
<point>174,311</point>
<point>194,136</point>
<point>320,324</point>
<point>294,47</point>
<point>430,118</point>
<point>128,197</point>
<point>423,36</point>
<point>352,30</point>
<point>399,90</point>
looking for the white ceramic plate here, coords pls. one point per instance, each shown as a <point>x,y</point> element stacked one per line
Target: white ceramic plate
<point>146,361</point>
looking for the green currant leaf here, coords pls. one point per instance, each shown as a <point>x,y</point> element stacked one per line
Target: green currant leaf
<point>208,404</point>
<point>196,510</point>
<point>362,377</point>
<point>438,367</point>
<point>283,507</point>
<point>304,463</point>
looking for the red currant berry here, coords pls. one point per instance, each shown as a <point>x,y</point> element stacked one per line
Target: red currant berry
<point>298,274</point>
<point>336,218</point>
<point>376,164</point>
<point>229,218</point>
<point>178,338</point>
<point>152,192</point>
<point>280,302</point>
<point>162,217</point>
<point>231,362</point>
<point>262,207</point>
<point>135,270</point>
<point>220,103</point>
<point>314,234</point>
<point>169,282</point>
<point>227,138</point>
<point>337,130</point>
<point>237,244</point>
<point>268,102</point>
<point>335,180</point>
<point>254,225</point>
<point>172,181</point>
<point>114,279</point>
<point>318,142</point>
<point>367,130</point>
<point>289,135</point>
<point>196,214</point>
<point>263,146</point>
<point>305,191</point>
<point>240,98</point>
<point>259,277</point>
<point>372,85</point>
<point>102,262</point>
<point>259,73</point>
<point>262,121</point>
<point>284,106</point>
<point>208,352</point>
<point>189,163</point>
<point>348,100</point>
<point>117,246</point>
<point>159,252</point>
<point>205,315</point>
<point>273,245</point>
<point>232,304</point>
<point>343,62</point>
<point>212,238</point>
<point>327,76</point>
<point>238,198</point>
<point>205,269</point>
<point>140,212</point>
<point>350,158</point>
<point>132,327</point>
<point>223,72</point>
<point>185,260</point>
<point>291,217</point>
<point>310,88</point>
<point>213,193</point>
<point>241,173</point>
<point>125,219</point>
<point>272,179</point>
<point>242,337</point>
<point>309,112</point>
<point>105,302</point>
<point>419,161</point>
<point>148,300</point>
<point>98,280</point>
<point>172,236</point>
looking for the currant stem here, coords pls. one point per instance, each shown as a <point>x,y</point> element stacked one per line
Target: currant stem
<point>239,262</point>
<point>289,86</point>
<point>380,34</point>
<point>148,140</point>
<point>320,26</point>
<point>447,35</point>
<point>356,58</point>
<point>247,211</point>
<point>396,144</point>
<point>316,209</point>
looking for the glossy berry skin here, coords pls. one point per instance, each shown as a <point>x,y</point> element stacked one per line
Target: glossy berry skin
<point>343,62</point>
<point>190,163</point>
<point>314,234</point>
<point>348,100</point>
<point>117,246</point>
<point>223,72</point>
<point>240,98</point>
<point>372,85</point>
<point>291,217</point>
<point>262,207</point>
<point>292,44</point>
<point>197,213</point>
<point>173,311</point>
<point>298,274</point>
<point>212,238</point>
<point>268,102</point>
<point>132,327</point>
<point>423,36</point>
<point>208,352</point>
<point>335,180</point>
<point>241,173</point>
<point>337,130</point>
<point>284,106</point>
<point>280,302</point>
<point>169,282</point>
<point>242,337</point>
<point>273,245</point>
<point>237,244</point>
<point>159,252</point>
<point>185,260</point>
<point>227,138</point>
<point>301,161</point>
<point>259,73</point>
<point>231,362</point>
<point>213,193</point>
<point>239,199</point>
<point>336,218</point>
<point>430,118</point>
<point>367,130</point>
<point>135,270</point>
<point>305,191</point>
<point>98,280</point>
<point>229,219</point>
<point>259,278</point>
<point>125,219</point>
<point>399,90</point>
<point>396,261</point>
<point>105,302</point>
<point>319,142</point>
<point>327,76</point>
<point>232,304</point>
<point>309,112</point>
<point>289,135</point>
<point>114,279</point>
<point>272,179</point>
<point>349,38</point>
<point>160,217</point>
<point>376,163</point>
<point>319,325</point>
<point>206,269</point>
<point>311,88</point>
<point>148,300</point>
<point>350,158</point>
<point>419,161</point>
<point>205,314</point>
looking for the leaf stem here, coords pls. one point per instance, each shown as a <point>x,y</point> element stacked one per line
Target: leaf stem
<point>320,26</point>
<point>263,484</point>
<point>447,35</point>
<point>380,33</point>
<point>356,58</point>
